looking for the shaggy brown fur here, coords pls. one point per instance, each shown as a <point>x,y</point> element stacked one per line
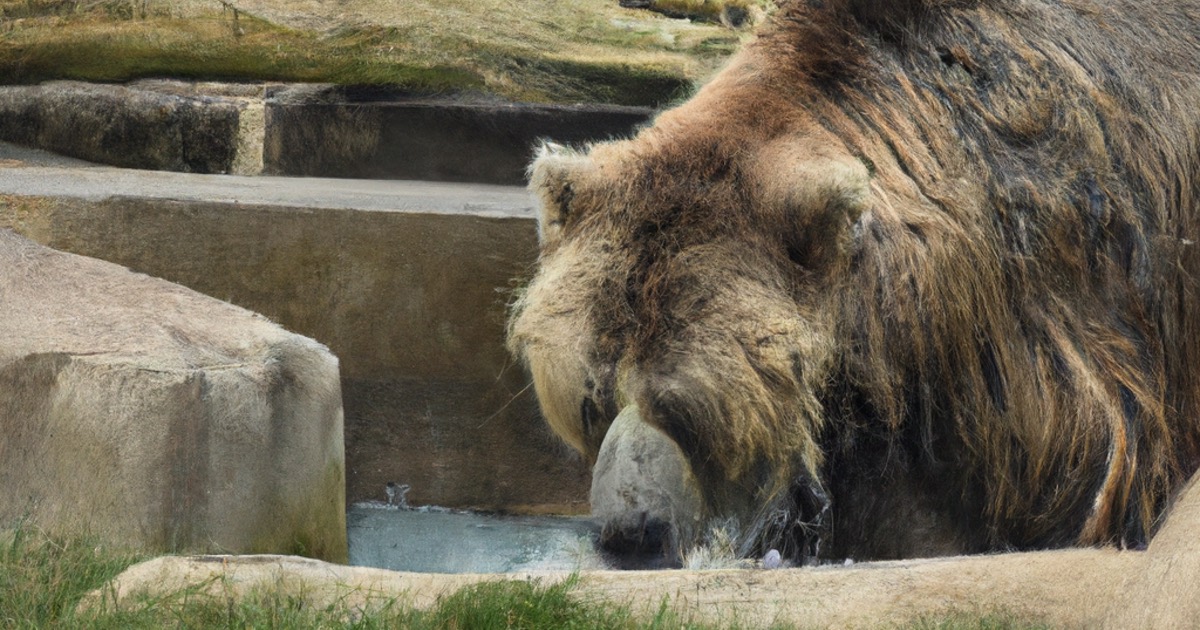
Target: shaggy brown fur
<point>933,260</point>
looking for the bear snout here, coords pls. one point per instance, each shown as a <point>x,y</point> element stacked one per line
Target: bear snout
<point>643,494</point>
<point>646,540</point>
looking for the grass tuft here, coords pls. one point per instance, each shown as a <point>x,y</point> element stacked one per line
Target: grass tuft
<point>519,605</point>
<point>991,620</point>
<point>42,578</point>
<point>731,13</point>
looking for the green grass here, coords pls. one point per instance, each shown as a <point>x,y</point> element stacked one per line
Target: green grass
<point>97,50</point>
<point>561,51</point>
<point>735,12</point>
<point>43,579</point>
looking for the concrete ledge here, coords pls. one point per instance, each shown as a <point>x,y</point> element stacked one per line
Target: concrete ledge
<point>411,297</point>
<point>297,130</point>
<point>1069,588</point>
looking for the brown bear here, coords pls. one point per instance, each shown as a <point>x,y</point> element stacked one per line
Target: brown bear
<point>906,278</point>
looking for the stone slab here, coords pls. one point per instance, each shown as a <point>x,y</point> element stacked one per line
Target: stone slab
<point>1069,588</point>
<point>420,139</point>
<point>1066,589</point>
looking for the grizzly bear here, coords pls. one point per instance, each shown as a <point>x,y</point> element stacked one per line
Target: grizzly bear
<point>905,278</point>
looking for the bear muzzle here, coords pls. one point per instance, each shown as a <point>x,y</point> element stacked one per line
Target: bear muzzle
<point>644,495</point>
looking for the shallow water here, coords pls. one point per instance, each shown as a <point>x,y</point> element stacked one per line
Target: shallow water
<point>442,541</point>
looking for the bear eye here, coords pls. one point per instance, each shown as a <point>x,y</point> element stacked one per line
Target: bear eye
<point>562,204</point>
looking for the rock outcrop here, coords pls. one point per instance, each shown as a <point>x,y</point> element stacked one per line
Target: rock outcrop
<point>149,415</point>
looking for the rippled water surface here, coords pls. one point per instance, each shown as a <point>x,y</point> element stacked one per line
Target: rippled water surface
<point>438,541</point>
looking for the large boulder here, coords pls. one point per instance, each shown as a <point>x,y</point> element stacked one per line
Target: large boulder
<point>405,282</point>
<point>147,414</point>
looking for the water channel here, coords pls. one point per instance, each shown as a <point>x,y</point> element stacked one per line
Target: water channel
<point>435,540</point>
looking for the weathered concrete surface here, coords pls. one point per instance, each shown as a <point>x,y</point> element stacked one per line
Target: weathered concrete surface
<point>334,133</point>
<point>1074,588</point>
<point>1165,591</point>
<point>155,417</point>
<point>410,292</point>
<point>131,126</point>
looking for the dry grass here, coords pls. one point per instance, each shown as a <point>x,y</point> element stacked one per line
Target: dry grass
<point>547,51</point>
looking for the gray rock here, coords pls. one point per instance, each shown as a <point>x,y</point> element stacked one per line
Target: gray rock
<point>149,415</point>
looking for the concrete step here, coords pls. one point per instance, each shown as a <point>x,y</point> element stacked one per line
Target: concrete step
<point>407,283</point>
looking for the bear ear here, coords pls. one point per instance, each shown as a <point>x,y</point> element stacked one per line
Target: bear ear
<point>552,179</point>
<point>829,197</point>
<point>819,199</point>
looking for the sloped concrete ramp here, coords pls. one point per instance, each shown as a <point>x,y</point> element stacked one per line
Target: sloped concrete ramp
<point>151,416</point>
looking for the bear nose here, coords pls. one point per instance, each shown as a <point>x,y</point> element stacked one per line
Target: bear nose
<point>646,536</point>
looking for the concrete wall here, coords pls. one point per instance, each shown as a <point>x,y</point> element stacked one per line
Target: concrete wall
<point>427,140</point>
<point>124,126</point>
<point>412,302</point>
<point>304,130</point>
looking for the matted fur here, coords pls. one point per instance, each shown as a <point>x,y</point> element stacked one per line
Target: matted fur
<point>935,260</point>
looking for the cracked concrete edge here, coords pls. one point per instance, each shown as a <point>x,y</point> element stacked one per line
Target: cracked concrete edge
<point>248,156</point>
<point>1069,588</point>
